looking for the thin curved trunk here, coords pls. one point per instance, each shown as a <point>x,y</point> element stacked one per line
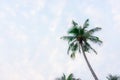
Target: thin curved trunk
<point>92,71</point>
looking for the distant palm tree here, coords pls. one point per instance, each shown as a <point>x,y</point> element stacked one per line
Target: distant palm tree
<point>79,38</point>
<point>113,77</point>
<point>70,77</point>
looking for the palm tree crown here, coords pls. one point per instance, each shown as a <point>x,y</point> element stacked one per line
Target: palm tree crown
<point>70,77</point>
<point>80,35</point>
<point>111,77</point>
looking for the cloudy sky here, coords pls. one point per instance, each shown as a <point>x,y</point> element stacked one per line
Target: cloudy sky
<point>30,45</point>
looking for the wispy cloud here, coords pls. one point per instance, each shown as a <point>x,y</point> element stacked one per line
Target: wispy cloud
<point>30,45</point>
<point>116,12</point>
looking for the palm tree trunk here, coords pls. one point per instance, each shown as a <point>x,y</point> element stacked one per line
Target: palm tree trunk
<point>92,71</point>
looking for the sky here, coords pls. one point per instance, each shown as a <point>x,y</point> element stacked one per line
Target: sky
<point>30,44</point>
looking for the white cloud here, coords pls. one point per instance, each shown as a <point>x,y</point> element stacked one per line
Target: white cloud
<point>57,8</point>
<point>33,12</point>
<point>115,7</point>
<point>44,18</point>
<point>40,4</point>
<point>116,19</point>
<point>31,8</point>
<point>38,77</point>
<point>25,56</point>
<point>45,41</point>
<point>57,65</point>
<point>69,20</point>
<point>2,40</point>
<point>94,12</point>
<point>54,25</point>
<point>26,15</point>
<point>10,10</point>
<point>45,61</point>
<point>8,72</point>
<point>71,66</point>
<point>19,72</point>
<point>22,37</point>
<point>17,34</point>
<point>2,14</point>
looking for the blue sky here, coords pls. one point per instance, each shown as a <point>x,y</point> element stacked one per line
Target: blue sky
<point>30,45</point>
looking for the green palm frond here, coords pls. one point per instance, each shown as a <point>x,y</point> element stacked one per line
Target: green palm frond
<point>95,39</point>
<point>86,24</point>
<point>74,23</point>
<point>80,27</point>
<point>72,55</point>
<point>74,47</point>
<point>63,77</point>
<point>74,30</point>
<point>70,46</point>
<point>113,77</point>
<point>81,32</point>
<point>94,30</point>
<point>85,48</point>
<point>68,38</point>
<point>70,77</point>
<point>91,47</point>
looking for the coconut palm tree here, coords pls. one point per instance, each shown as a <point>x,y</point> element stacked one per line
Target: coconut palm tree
<point>113,77</point>
<point>78,39</point>
<point>70,77</point>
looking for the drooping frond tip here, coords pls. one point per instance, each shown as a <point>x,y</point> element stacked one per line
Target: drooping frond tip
<point>87,20</point>
<point>70,77</point>
<point>91,31</point>
<point>72,55</point>
<point>74,23</point>
<point>86,24</point>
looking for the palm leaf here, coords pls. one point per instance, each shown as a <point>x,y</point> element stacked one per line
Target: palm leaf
<point>94,30</point>
<point>70,45</point>
<point>81,32</point>
<point>85,48</point>
<point>74,47</point>
<point>74,30</point>
<point>74,23</point>
<point>70,77</point>
<point>68,38</point>
<point>91,47</point>
<point>95,39</point>
<point>86,24</point>
<point>72,55</point>
<point>63,77</point>
<point>111,77</point>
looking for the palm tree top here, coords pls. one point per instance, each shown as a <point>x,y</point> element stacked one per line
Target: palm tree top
<point>113,77</point>
<point>80,35</point>
<point>70,77</point>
